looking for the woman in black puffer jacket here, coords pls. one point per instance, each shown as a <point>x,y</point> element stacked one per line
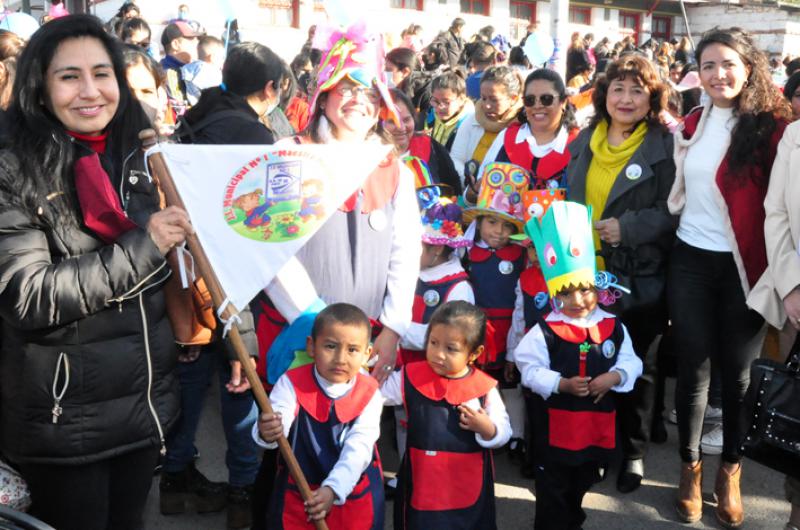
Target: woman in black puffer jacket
<point>86,386</point>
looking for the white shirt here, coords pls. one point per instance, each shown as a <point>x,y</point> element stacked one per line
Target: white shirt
<point>292,290</point>
<point>533,359</point>
<point>414,338</point>
<point>517,329</point>
<point>392,391</point>
<point>359,438</point>
<point>703,224</point>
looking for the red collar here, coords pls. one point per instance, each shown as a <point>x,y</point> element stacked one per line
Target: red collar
<point>314,401</point>
<point>577,334</point>
<point>95,143</point>
<point>455,391</point>
<point>450,278</point>
<point>509,252</point>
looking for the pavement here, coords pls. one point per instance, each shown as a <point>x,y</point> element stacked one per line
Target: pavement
<point>649,507</point>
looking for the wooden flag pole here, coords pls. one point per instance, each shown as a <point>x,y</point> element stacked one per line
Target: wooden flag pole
<point>162,175</point>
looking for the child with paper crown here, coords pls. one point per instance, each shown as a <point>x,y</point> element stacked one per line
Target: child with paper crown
<point>531,300</point>
<point>494,265</point>
<point>572,358</point>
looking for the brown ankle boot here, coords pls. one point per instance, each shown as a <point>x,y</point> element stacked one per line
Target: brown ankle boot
<point>689,503</point>
<point>730,512</point>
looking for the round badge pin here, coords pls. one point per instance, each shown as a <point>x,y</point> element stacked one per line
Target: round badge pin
<point>608,349</point>
<point>377,220</point>
<point>633,171</point>
<point>506,267</point>
<point>431,298</point>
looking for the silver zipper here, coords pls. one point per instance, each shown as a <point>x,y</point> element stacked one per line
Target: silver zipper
<point>150,375</point>
<point>59,395</point>
<point>121,298</point>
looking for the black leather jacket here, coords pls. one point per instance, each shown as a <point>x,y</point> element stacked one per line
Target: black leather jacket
<point>87,357</point>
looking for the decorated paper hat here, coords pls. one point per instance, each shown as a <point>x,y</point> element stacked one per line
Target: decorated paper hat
<point>356,54</point>
<point>535,204</point>
<point>564,245</point>
<point>441,220</point>
<point>500,194</point>
<point>420,169</point>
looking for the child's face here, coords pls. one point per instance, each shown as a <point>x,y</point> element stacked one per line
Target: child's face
<point>339,351</point>
<point>447,351</point>
<point>495,231</point>
<point>446,103</point>
<point>578,303</point>
<point>430,255</point>
<point>533,259</point>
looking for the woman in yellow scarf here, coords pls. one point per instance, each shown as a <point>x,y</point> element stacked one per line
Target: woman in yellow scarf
<point>622,168</point>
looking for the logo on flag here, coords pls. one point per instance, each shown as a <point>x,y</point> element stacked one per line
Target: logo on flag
<point>240,197</point>
<point>276,201</point>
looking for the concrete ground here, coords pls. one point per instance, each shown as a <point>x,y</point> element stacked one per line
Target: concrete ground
<point>650,507</point>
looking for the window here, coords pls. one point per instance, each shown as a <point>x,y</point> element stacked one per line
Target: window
<point>407,4</point>
<point>523,14</point>
<point>580,15</point>
<point>629,23</point>
<point>475,7</point>
<point>662,28</point>
<point>281,12</point>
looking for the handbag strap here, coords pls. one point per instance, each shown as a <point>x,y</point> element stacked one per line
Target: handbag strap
<point>793,359</point>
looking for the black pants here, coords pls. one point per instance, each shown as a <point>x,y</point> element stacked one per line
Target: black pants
<point>711,324</point>
<point>559,494</point>
<point>262,489</point>
<point>635,408</point>
<point>105,495</point>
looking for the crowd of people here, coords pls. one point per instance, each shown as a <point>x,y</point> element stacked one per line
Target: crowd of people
<point>519,273</point>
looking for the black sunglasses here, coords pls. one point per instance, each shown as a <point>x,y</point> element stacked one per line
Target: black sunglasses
<point>545,99</point>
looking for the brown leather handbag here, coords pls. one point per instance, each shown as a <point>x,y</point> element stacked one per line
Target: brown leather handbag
<point>190,310</point>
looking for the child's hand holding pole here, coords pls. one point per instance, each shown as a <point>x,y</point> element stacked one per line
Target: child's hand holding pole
<point>320,503</point>
<point>270,426</point>
<point>476,421</point>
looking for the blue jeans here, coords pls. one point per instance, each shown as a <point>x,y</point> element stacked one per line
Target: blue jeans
<point>239,413</point>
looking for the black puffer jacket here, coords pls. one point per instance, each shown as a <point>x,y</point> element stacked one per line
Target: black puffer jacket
<point>84,328</point>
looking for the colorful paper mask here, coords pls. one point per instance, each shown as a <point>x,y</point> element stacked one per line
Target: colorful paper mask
<point>535,204</point>
<point>564,245</point>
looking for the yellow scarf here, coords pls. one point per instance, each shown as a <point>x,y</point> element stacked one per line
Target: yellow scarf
<point>607,162</point>
<point>442,130</point>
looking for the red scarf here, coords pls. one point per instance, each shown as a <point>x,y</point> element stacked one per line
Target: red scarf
<point>100,204</point>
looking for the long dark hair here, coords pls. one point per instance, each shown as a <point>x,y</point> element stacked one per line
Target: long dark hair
<point>759,105</point>
<point>568,120</point>
<point>45,151</point>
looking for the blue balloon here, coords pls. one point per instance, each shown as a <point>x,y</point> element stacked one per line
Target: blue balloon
<point>538,48</point>
<point>22,24</point>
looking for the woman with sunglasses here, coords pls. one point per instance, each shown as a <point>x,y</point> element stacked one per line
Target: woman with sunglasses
<point>539,137</point>
<point>622,167</point>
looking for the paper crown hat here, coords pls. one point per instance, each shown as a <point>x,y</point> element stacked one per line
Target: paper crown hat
<point>356,54</point>
<point>535,204</point>
<point>500,193</point>
<point>564,245</point>
<point>441,219</point>
<point>420,169</point>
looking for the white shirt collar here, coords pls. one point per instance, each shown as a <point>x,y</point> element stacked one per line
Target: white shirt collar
<point>590,321</point>
<point>558,144</point>
<point>449,267</point>
<point>333,390</point>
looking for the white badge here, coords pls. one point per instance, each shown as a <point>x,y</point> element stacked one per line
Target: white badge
<point>506,267</point>
<point>431,298</point>
<point>133,179</point>
<point>609,349</point>
<point>633,171</point>
<point>377,220</point>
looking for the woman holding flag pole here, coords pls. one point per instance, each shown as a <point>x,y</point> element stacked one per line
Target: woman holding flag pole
<point>367,253</point>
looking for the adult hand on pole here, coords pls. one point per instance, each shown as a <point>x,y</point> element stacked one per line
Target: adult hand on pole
<point>385,349</point>
<point>238,383</point>
<point>169,227</point>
